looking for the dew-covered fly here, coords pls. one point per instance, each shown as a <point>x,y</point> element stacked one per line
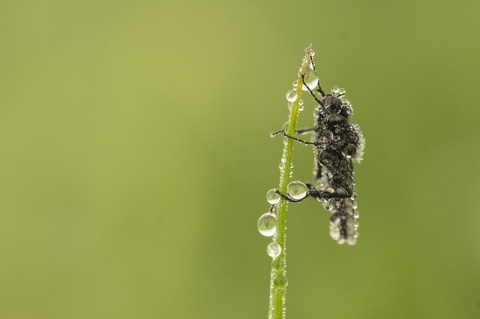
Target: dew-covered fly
<point>337,144</point>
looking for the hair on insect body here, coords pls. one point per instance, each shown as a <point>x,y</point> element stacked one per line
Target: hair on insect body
<point>337,144</point>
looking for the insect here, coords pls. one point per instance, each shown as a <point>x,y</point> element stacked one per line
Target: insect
<point>337,144</point>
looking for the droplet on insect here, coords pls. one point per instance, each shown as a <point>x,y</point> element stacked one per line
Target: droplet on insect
<point>278,265</point>
<point>328,134</point>
<point>274,250</point>
<point>280,282</point>
<point>341,91</point>
<point>272,196</point>
<point>297,190</point>
<point>291,96</point>
<point>330,190</point>
<point>335,90</point>
<point>356,214</point>
<point>341,191</point>
<point>267,224</point>
<point>335,233</point>
<point>311,80</point>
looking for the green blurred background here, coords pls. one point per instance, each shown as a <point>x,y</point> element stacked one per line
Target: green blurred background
<point>135,158</point>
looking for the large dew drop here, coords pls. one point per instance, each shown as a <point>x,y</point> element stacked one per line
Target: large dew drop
<point>274,250</point>
<point>297,190</point>
<point>267,224</point>
<point>291,96</point>
<point>278,265</point>
<point>273,197</point>
<point>311,80</point>
<point>280,282</point>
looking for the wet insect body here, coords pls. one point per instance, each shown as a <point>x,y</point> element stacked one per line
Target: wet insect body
<point>337,144</point>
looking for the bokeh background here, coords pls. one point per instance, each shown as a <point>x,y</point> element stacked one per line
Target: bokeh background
<point>135,157</point>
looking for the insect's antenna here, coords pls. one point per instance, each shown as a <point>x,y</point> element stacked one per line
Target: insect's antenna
<point>319,86</point>
<point>320,90</point>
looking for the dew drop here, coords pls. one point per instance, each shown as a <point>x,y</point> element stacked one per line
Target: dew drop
<point>280,282</point>
<point>335,234</point>
<point>272,196</point>
<point>351,241</point>
<point>311,80</point>
<point>356,214</point>
<point>328,134</point>
<point>297,190</point>
<point>274,250</point>
<point>341,91</point>
<point>300,105</point>
<point>278,265</point>
<point>291,96</point>
<point>267,224</point>
<point>335,90</point>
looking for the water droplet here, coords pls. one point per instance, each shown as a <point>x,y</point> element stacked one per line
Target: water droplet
<point>341,91</point>
<point>297,190</point>
<point>267,224</point>
<point>335,234</point>
<point>291,96</point>
<point>311,80</point>
<point>335,90</point>
<point>341,191</point>
<point>300,105</point>
<point>328,134</point>
<point>274,250</point>
<point>351,241</point>
<point>278,265</point>
<point>280,282</point>
<point>356,214</point>
<point>273,197</point>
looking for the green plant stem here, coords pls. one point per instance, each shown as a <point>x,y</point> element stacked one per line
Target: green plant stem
<point>278,296</point>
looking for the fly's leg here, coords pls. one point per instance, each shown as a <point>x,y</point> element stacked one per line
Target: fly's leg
<point>272,134</point>
<point>310,188</point>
